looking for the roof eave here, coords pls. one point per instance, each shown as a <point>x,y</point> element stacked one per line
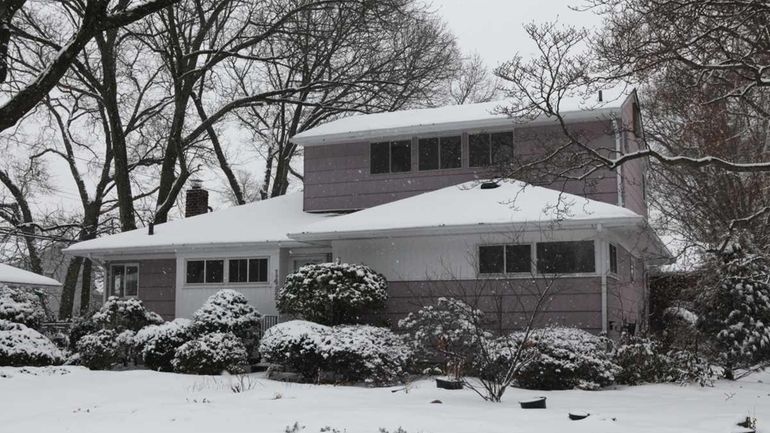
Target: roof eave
<point>173,248</point>
<point>467,229</point>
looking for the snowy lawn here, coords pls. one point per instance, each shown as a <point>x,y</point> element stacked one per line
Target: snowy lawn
<point>74,399</point>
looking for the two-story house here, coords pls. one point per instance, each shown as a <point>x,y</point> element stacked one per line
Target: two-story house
<point>408,194</point>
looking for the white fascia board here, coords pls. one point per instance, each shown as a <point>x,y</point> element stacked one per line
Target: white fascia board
<point>466,229</point>
<point>171,250</point>
<point>451,127</point>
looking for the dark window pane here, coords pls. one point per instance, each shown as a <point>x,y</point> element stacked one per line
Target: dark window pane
<point>131,287</point>
<point>502,147</point>
<point>565,257</point>
<point>380,157</point>
<point>400,156</point>
<point>195,271</point>
<point>478,150</point>
<point>257,270</point>
<point>451,153</point>
<point>428,153</point>
<point>118,280</point>
<point>518,258</point>
<point>613,259</point>
<point>215,271</point>
<point>238,271</point>
<point>491,259</point>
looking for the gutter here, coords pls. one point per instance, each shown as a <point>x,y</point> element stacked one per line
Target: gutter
<point>464,229</point>
<point>169,248</point>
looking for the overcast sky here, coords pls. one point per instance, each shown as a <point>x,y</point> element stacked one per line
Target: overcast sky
<point>494,28</point>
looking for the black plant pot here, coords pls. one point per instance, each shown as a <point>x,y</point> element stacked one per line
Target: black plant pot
<point>535,403</point>
<point>448,384</point>
<point>578,415</point>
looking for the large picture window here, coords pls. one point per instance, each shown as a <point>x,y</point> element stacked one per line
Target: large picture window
<point>241,270</point>
<point>488,149</point>
<point>440,152</point>
<point>124,280</point>
<point>566,257</point>
<point>390,157</point>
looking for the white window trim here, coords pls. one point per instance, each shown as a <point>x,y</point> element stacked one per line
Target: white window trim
<point>225,272</point>
<point>534,272</point>
<point>110,288</point>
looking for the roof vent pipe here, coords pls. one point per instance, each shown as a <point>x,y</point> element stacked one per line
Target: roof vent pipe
<point>601,96</point>
<point>151,228</point>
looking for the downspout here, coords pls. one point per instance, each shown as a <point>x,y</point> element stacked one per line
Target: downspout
<point>618,131</point>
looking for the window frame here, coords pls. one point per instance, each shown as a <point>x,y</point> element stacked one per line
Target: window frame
<point>226,272</point>
<point>410,144</point>
<point>612,258</point>
<point>505,272</point>
<point>490,148</point>
<point>111,282</point>
<point>440,141</point>
<point>594,272</point>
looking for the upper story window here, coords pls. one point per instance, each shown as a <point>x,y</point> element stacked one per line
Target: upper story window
<point>509,259</point>
<point>124,280</point>
<point>488,149</point>
<point>574,257</point>
<point>440,152</point>
<point>391,156</point>
<point>247,270</point>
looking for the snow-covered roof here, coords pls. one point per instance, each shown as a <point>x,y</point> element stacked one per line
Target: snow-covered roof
<point>448,119</point>
<point>470,207</point>
<point>16,276</point>
<point>265,221</point>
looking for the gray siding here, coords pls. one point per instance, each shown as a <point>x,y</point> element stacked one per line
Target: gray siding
<point>506,304</point>
<point>626,300</point>
<point>337,176</point>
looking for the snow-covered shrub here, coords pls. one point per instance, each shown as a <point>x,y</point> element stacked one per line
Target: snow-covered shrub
<point>735,308</point>
<point>297,345</point>
<point>157,343</point>
<point>566,358</point>
<point>81,326</point>
<point>23,346</point>
<point>125,313</point>
<point>450,330</point>
<point>333,293</point>
<point>228,311</point>
<point>366,353</point>
<point>99,350</point>
<point>349,353</point>
<point>21,306</point>
<point>212,354</point>
<point>645,361</point>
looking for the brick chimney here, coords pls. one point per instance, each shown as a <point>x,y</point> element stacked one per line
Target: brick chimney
<point>197,200</point>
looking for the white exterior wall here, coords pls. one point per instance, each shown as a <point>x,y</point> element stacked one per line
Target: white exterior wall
<point>422,258</point>
<point>189,298</point>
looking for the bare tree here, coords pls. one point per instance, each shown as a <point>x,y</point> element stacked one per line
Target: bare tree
<point>474,83</point>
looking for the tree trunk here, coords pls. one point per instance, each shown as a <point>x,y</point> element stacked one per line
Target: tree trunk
<point>68,291</point>
<point>85,287</point>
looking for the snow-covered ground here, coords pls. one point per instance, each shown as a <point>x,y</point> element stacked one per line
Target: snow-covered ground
<point>73,399</point>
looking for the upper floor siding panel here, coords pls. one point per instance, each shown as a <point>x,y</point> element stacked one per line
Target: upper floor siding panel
<point>339,177</point>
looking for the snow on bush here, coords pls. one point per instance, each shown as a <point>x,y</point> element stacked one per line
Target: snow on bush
<point>21,306</point>
<point>450,330</point>
<point>566,358</point>
<point>645,361</point>
<point>81,326</point>
<point>125,313</point>
<point>23,346</point>
<point>99,350</point>
<point>350,353</point>
<point>157,343</point>
<point>333,293</point>
<point>735,308</point>
<point>227,311</point>
<point>212,353</point>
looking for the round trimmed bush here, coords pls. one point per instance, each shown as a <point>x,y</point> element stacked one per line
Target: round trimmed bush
<point>212,354</point>
<point>81,327</point>
<point>125,313</point>
<point>566,358</point>
<point>99,350</point>
<point>23,346</point>
<point>228,311</point>
<point>21,306</point>
<point>333,293</point>
<point>296,345</point>
<point>158,343</point>
<point>641,361</point>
